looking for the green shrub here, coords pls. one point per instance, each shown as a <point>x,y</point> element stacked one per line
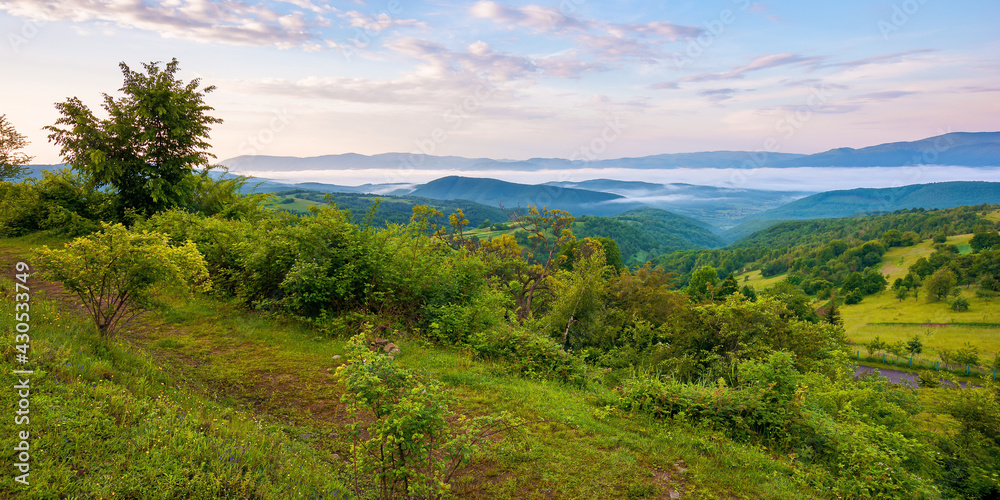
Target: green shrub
<point>959,304</point>
<point>403,444</point>
<point>62,203</point>
<point>115,272</point>
<point>530,354</point>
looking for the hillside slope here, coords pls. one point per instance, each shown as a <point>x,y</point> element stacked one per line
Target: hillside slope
<point>494,193</point>
<point>644,233</point>
<point>845,203</point>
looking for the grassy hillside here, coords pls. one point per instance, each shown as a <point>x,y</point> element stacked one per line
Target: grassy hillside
<point>893,320</point>
<point>236,404</point>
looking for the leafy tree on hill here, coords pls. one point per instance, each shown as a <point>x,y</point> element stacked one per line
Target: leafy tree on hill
<point>985,241</point>
<point>832,314</point>
<point>728,287</point>
<point>875,345</point>
<point>149,147</point>
<point>12,160</point>
<point>704,284</point>
<point>914,346</point>
<point>940,284</point>
<point>115,272</point>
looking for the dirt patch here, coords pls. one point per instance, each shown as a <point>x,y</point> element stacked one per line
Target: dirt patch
<point>671,480</point>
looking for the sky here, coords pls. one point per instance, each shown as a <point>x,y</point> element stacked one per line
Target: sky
<point>577,79</point>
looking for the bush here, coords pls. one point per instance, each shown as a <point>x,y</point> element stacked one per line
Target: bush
<point>403,445</point>
<point>61,203</point>
<point>959,304</point>
<point>116,272</point>
<point>529,354</point>
<point>853,297</point>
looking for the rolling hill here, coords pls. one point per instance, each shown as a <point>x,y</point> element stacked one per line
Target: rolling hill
<point>644,233</point>
<point>835,204</point>
<point>717,206</point>
<point>495,193</point>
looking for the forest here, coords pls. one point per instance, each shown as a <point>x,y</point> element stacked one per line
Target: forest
<point>742,385</point>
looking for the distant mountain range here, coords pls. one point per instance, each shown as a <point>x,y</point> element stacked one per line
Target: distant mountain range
<point>973,149</point>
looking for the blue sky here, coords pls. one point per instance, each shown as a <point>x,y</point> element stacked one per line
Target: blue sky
<point>567,78</point>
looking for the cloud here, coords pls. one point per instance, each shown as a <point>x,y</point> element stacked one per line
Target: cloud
<point>228,22</point>
<point>607,42</point>
<point>478,59</point>
<point>758,64</point>
<point>884,58</point>
<point>380,22</point>
<point>538,18</point>
<point>887,95</point>
<point>719,95</point>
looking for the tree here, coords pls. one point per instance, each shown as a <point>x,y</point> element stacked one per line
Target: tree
<point>115,272</point>
<point>960,304</point>
<point>875,345</point>
<point>12,160</point>
<point>914,346</point>
<point>578,306</point>
<point>892,238</point>
<point>703,284</point>
<point>728,287</point>
<point>968,354</point>
<point>548,231</point>
<point>832,315</point>
<point>939,285</point>
<point>902,293</point>
<point>985,241</point>
<point>151,144</point>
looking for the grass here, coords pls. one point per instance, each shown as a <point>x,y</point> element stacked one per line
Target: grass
<point>758,282</point>
<point>209,400</point>
<point>892,320</point>
<point>489,234</point>
<point>109,421</point>
<point>299,205</point>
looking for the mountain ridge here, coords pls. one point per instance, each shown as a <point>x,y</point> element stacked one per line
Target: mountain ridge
<point>975,149</point>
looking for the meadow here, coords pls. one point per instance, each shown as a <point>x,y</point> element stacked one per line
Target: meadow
<point>218,402</point>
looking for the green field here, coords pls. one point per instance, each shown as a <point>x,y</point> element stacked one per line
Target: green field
<point>759,282</point>
<point>936,323</point>
<point>300,205</point>
<point>893,320</point>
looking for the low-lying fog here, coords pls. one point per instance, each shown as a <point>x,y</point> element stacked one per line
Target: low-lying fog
<point>814,179</point>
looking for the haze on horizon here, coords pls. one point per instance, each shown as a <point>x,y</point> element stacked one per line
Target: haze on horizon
<point>517,80</point>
